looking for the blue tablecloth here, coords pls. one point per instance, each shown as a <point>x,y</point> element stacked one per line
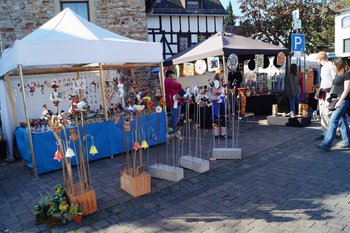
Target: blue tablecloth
<point>109,139</point>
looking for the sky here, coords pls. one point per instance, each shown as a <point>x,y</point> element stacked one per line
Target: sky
<point>235,6</point>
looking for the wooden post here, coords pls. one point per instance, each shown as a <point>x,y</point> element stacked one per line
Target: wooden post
<point>11,99</point>
<point>161,81</point>
<point>28,122</point>
<point>103,93</point>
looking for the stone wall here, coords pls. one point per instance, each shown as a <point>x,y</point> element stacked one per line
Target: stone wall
<point>19,18</point>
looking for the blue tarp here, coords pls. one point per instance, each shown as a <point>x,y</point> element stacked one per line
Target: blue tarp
<point>108,138</point>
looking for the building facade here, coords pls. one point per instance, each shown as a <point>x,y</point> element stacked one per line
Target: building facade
<point>124,17</point>
<point>342,33</point>
<point>179,24</point>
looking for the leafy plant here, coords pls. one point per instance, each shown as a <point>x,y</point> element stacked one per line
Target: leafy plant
<point>76,210</point>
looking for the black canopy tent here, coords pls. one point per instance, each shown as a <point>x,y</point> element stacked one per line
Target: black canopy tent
<point>224,44</point>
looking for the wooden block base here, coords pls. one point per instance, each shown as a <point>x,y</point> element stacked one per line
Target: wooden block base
<point>83,197</point>
<point>135,186</point>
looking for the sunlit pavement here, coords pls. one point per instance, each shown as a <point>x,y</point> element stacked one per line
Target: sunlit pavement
<point>282,184</point>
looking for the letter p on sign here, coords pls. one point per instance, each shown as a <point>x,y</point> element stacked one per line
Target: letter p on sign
<point>298,43</point>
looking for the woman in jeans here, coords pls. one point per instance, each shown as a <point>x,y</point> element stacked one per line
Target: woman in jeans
<point>341,88</point>
<point>293,89</point>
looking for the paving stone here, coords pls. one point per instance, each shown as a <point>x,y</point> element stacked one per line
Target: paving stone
<point>100,224</point>
<point>85,229</point>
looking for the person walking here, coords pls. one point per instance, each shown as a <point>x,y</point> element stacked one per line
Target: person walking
<point>172,91</point>
<point>341,89</point>
<point>327,75</point>
<point>293,89</point>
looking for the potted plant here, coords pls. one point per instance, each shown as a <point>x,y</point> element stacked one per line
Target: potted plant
<point>40,210</point>
<point>76,211</point>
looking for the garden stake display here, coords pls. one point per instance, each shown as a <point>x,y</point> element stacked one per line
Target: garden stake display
<point>80,193</point>
<point>135,182</point>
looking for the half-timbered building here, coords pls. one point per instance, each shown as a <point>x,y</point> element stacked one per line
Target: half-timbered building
<point>179,24</point>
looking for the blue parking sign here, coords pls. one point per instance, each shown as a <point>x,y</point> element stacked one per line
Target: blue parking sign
<point>298,43</point>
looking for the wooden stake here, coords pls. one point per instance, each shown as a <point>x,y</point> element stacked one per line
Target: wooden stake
<point>28,122</point>
<point>103,93</point>
<point>11,99</point>
<point>161,81</point>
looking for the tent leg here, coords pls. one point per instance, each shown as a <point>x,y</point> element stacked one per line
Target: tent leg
<point>103,93</point>
<point>11,99</point>
<point>161,81</point>
<point>28,122</point>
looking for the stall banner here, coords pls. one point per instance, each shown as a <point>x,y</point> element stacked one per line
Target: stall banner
<point>188,69</point>
<point>259,60</point>
<point>213,63</point>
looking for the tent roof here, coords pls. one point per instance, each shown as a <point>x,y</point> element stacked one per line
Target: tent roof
<point>68,39</point>
<point>225,44</point>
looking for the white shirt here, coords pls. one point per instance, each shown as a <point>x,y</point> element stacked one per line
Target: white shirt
<point>327,75</point>
<point>217,85</point>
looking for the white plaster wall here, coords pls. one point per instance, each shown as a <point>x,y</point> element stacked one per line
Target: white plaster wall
<point>341,34</point>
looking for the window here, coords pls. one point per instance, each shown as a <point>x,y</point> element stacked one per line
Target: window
<point>81,8</point>
<point>347,46</point>
<point>183,42</point>
<point>192,4</point>
<point>345,22</point>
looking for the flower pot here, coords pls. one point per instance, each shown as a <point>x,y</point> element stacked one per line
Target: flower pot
<point>78,218</point>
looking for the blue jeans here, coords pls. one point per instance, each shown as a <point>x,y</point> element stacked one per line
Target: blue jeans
<point>294,101</point>
<point>338,118</point>
<point>175,117</point>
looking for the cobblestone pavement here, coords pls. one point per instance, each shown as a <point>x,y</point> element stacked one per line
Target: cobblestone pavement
<point>282,184</point>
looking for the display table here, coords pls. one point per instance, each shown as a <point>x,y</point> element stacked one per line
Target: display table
<point>289,121</point>
<point>260,104</point>
<point>108,138</point>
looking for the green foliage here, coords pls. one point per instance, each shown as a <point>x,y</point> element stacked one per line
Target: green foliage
<point>76,210</point>
<point>271,21</point>
<point>230,19</point>
<point>52,208</point>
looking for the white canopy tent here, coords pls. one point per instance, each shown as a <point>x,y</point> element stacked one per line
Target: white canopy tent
<point>67,40</point>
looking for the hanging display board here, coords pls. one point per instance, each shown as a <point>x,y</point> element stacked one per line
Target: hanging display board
<point>232,62</point>
<point>213,63</point>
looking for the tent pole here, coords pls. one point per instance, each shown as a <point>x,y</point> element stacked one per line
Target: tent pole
<point>161,80</point>
<point>103,93</point>
<point>28,122</point>
<point>11,99</point>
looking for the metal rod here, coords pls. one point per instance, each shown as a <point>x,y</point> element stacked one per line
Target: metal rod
<point>233,116</point>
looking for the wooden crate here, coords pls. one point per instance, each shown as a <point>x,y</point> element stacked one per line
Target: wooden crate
<point>83,197</point>
<point>135,186</point>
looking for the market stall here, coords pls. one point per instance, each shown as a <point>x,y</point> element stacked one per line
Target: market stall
<point>68,44</point>
<point>198,62</point>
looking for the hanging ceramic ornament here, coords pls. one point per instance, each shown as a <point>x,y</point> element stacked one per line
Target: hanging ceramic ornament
<point>55,96</point>
<point>200,66</point>
<point>159,109</point>
<point>58,155</point>
<point>136,146</point>
<point>144,144</point>
<point>93,150</point>
<point>69,153</point>
<point>120,86</point>
<point>232,62</point>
